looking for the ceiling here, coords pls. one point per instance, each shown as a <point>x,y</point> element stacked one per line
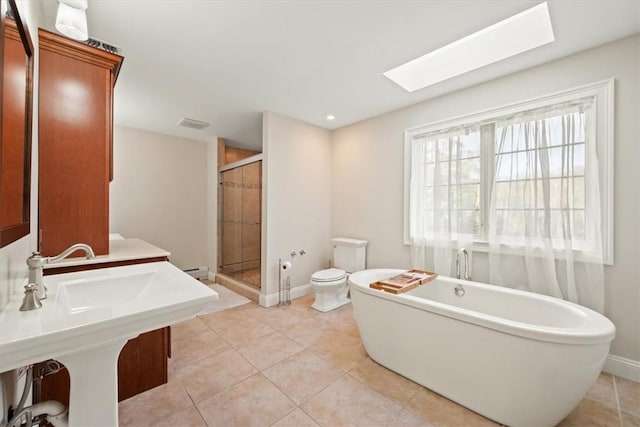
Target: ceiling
<point>225,62</point>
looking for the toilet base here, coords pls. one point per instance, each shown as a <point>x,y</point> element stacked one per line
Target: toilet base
<point>325,306</point>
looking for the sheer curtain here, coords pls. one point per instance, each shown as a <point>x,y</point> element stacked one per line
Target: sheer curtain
<point>544,220</point>
<point>444,197</point>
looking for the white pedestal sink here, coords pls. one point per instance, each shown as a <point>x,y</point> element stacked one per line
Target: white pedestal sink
<point>87,319</point>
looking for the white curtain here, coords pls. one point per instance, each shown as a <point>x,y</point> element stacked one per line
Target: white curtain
<point>442,201</point>
<point>544,220</point>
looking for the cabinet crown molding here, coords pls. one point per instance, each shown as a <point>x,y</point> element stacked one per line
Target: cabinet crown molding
<point>80,51</point>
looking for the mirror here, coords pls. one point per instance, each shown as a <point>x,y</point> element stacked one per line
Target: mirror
<point>16,76</point>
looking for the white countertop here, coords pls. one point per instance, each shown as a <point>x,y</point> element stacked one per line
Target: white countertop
<point>119,250</point>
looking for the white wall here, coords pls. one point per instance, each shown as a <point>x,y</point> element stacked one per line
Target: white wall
<point>159,194</point>
<point>296,198</point>
<point>367,169</point>
<point>212,207</point>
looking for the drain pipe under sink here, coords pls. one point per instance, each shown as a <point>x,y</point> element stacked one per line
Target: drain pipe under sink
<point>56,413</point>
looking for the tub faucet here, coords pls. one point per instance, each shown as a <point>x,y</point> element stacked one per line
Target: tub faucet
<point>36,263</point>
<point>463,252</point>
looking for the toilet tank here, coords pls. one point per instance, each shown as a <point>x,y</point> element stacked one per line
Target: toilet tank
<point>349,254</point>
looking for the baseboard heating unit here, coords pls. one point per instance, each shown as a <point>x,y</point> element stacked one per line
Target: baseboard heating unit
<point>198,272</point>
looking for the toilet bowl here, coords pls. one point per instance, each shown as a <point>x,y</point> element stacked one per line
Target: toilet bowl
<point>330,287</point>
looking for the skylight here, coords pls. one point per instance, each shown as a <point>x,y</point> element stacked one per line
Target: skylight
<point>514,35</point>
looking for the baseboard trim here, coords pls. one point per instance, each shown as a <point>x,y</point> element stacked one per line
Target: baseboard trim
<point>211,275</point>
<point>273,299</point>
<point>621,367</point>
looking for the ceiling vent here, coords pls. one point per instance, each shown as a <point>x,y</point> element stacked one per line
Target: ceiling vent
<point>193,124</point>
<point>101,44</point>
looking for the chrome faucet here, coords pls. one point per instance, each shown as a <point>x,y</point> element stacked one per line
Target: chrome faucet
<point>465,254</point>
<point>36,263</point>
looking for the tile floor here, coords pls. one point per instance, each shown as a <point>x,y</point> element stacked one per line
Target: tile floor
<point>295,367</point>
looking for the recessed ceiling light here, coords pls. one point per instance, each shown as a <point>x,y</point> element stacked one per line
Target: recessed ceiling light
<point>331,117</point>
<point>514,35</point>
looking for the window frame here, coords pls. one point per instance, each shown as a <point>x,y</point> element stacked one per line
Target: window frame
<point>603,111</point>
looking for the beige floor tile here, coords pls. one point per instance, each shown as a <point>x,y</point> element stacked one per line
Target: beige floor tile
<point>349,402</point>
<point>603,390</point>
<point>186,351</point>
<point>304,301</point>
<point>252,402</point>
<point>155,404</point>
<point>248,309</point>
<point>215,374</point>
<point>185,418</point>
<point>296,418</point>
<point>244,331</point>
<point>304,309</point>
<point>269,350</point>
<point>349,328</point>
<point>340,349</point>
<point>188,329</point>
<point>343,321</point>
<point>308,331</point>
<point>395,387</point>
<point>628,395</point>
<point>407,419</point>
<point>435,409</point>
<point>280,318</point>
<point>225,318</point>
<point>302,375</point>
<point>592,413</point>
<point>171,372</point>
<point>629,420</point>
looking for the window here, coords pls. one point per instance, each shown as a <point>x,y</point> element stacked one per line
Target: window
<point>518,175</point>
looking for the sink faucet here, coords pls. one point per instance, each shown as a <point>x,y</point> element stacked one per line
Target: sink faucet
<point>37,261</point>
<point>464,253</point>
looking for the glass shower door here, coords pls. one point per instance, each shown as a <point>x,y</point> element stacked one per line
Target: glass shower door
<point>240,222</point>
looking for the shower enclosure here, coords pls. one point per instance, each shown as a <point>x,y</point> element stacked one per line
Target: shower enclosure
<point>240,221</point>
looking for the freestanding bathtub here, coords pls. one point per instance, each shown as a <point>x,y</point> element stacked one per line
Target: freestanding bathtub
<point>519,358</point>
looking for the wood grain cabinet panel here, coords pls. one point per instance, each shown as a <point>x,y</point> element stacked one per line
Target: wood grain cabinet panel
<point>75,137</point>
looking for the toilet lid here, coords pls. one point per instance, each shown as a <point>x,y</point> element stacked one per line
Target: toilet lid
<point>328,275</point>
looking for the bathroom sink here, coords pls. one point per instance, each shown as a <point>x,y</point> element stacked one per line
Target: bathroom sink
<point>91,293</point>
<point>87,318</point>
<point>88,307</point>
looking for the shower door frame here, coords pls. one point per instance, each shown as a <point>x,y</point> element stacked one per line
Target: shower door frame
<point>237,164</point>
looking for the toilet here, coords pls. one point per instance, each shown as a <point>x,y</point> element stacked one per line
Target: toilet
<point>330,285</point>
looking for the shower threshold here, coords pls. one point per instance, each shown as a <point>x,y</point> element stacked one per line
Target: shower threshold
<point>242,287</point>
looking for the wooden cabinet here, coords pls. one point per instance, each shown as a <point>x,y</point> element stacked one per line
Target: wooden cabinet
<point>142,364</point>
<point>75,143</point>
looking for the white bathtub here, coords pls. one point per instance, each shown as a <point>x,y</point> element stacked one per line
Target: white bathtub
<point>518,358</point>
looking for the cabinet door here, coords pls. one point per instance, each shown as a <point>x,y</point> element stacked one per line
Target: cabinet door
<point>143,363</point>
<point>74,108</point>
